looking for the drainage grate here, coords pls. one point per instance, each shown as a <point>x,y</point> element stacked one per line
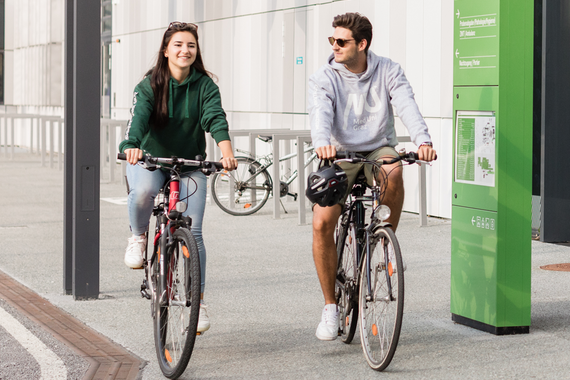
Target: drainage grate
<point>558,267</point>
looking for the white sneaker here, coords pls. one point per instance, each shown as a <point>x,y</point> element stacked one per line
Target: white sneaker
<point>135,251</point>
<point>203,319</point>
<point>328,328</point>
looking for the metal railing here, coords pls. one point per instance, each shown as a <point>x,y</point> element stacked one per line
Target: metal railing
<point>48,141</point>
<point>41,132</point>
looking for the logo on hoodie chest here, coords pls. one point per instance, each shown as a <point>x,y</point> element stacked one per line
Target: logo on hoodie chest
<point>364,112</point>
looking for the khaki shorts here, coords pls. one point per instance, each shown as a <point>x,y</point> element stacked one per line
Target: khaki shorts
<point>352,170</point>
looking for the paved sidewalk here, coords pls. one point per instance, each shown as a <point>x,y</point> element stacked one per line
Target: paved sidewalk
<point>265,300</point>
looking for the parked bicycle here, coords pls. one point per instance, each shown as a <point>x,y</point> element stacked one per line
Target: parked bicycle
<point>172,270</point>
<point>245,190</point>
<point>370,274</point>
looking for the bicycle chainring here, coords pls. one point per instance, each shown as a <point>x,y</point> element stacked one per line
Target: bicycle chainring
<point>284,189</point>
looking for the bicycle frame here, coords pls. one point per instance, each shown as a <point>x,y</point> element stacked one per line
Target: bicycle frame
<point>163,235</point>
<point>357,207</point>
<point>267,160</point>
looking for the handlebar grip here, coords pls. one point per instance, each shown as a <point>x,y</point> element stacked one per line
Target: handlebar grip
<point>121,156</point>
<point>415,157</point>
<point>218,165</point>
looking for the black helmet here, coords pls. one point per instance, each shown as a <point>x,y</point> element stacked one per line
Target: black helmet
<point>327,185</point>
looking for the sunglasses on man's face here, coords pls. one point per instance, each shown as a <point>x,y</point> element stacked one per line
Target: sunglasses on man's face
<point>182,25</point>
<point>339,41</point>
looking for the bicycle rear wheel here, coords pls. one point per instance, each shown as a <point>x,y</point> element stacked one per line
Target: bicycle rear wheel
<point>178,307</point>
<point>244,190</point>
<point>381,305</point>
<point>346,280</point>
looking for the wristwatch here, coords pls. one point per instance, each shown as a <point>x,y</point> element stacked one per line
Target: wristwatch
<point>426,143</point>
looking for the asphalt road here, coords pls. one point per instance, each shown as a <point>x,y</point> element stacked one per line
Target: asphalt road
<point>265,300</point>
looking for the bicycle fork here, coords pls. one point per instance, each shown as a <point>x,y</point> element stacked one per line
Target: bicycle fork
<point>373,280</point>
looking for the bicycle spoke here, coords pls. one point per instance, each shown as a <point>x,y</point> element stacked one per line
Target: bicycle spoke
<point>177,319</point>
<point>381,300</point>
<point>244,190</point>
<point>346,283</point>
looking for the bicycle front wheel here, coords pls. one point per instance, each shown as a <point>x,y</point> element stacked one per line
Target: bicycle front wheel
<point>178,306</point>
<point>242,191</point>
<point>347,280</point>
<point>381,298</point>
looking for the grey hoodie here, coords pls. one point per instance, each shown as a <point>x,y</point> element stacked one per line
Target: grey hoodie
<point>355,113</point>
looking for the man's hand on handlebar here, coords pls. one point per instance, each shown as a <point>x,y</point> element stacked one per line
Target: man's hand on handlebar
<point>133,155</point>
<point>327,152</point>
<point>426,153</point>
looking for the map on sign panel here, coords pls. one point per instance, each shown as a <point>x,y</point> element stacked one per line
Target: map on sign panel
<point>475,148</point>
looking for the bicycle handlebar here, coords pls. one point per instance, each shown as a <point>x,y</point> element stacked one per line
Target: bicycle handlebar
<point>207,167</point>
<point>354,158</point>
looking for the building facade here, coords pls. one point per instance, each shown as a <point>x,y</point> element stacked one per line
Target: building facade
<point>262,52</point>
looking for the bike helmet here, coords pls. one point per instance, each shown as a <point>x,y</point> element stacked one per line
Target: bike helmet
<point>327,185</point>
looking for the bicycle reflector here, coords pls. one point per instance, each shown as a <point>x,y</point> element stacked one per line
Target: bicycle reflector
<point>327,186</point>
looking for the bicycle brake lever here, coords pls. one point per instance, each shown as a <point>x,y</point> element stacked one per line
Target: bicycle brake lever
<point>146,164</point>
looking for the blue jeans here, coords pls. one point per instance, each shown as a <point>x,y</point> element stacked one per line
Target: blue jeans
<point>144,186</point>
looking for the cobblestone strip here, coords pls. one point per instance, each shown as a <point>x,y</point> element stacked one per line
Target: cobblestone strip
<point>107,359</point>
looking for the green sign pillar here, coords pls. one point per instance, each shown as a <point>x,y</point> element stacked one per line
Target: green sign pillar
<point>491,204</point>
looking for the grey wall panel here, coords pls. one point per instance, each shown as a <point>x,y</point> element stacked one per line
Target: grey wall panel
<point>55,78</point>
<point>398,31</point>
<point>299,62</point>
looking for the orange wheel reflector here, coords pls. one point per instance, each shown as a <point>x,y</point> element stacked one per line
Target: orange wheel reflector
<point>247,205</point>
<point>158,252</point>
<point>167,355</point>
<point>390,268</point>
<point>185,251</point>
<point>374,330</point>
<point>347,321</point>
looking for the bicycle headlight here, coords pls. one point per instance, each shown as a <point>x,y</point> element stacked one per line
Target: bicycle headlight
<point>383,212</point>
<point>181,206</point>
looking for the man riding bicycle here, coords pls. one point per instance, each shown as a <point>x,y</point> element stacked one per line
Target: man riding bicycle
<point>350,108</point>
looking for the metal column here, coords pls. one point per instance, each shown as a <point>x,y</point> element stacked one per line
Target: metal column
<point>555,209</point>
<point>82,167</point>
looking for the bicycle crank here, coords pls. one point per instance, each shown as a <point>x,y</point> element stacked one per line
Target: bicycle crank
<point>284,191</point>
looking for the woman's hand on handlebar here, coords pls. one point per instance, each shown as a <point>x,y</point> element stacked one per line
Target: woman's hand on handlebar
<point>230,163</point>
<point>327,152</point>
<point>228,160</point>
<point>133,155</point>
<point>426,153</point>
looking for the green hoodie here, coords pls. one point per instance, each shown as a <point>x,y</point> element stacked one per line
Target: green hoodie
<point>194,107</point>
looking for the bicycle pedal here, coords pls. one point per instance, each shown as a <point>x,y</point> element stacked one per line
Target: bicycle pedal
<point>144,294</point>
<point>138,268</point>
<point>200,333</point>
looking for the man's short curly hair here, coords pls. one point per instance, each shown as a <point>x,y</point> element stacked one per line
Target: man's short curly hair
<point>359,25</point>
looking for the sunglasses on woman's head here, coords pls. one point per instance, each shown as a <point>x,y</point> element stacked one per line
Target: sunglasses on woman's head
<point>339,41</point>
<point>182,25</point>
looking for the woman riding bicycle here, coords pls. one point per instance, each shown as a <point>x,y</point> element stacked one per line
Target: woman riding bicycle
<point>173,107</point>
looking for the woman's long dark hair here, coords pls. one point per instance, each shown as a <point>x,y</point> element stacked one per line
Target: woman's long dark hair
<point>160,73</point>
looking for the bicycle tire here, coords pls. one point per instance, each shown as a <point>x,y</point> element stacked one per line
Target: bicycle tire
<point>380,314</point>
<point>346,283</point>
<point>245,186</point>
<point>176,319</point>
